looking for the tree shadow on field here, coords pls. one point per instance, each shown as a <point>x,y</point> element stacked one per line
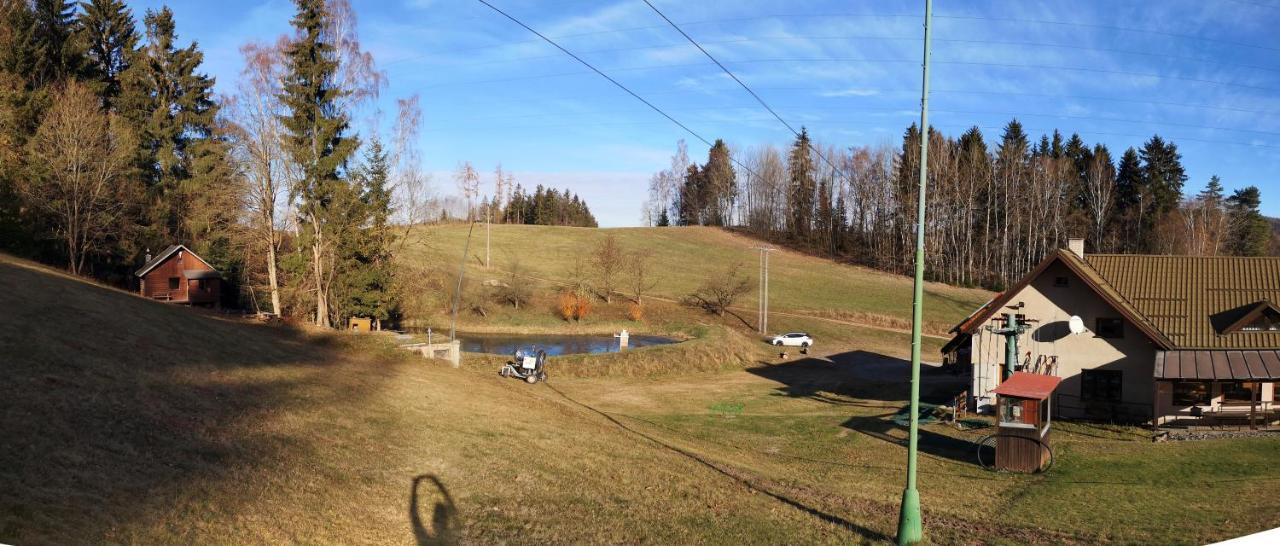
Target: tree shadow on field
<point>883,427</point>
<point>444,513</point>
<point>117,410</point>
<point>859,378</point>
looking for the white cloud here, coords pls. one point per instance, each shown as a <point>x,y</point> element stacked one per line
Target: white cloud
<point>851,92</point>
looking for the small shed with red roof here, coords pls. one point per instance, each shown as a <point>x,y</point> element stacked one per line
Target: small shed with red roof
<point>1024,416</point>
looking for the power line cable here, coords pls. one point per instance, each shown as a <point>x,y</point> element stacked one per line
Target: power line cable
<point>760,100</point>
<point>615,82</point>
<point>1047,22</point>
<point>1028,66</point>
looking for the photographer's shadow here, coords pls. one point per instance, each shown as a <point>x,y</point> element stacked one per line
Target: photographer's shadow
<point>443,525</point>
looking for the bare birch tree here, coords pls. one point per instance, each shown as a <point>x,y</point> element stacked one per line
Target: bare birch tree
<point>256,137</point>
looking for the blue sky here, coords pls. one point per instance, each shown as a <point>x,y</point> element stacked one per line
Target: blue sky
<point>1203,73</point>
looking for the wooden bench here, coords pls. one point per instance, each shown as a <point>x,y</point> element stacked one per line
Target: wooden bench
<point>1239,413</point>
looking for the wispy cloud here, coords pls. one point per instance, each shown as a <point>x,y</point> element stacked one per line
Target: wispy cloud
<point>851,92</point>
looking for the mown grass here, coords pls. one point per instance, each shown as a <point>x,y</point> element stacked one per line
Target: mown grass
<point>130,421</point>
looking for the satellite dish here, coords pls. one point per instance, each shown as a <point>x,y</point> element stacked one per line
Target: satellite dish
<point>1076,325</point>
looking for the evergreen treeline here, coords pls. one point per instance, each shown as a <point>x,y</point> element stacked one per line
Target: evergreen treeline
<point>112,143</point>
<point>545,207</point>
<point>993,212</point>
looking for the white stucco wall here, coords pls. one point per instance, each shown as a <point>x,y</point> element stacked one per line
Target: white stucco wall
<point>1051,306</point>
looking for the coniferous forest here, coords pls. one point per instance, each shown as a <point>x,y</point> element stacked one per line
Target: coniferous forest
<point>113,145</point>
<point>994,209</point>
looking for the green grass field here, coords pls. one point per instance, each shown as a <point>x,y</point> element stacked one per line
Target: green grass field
<point>685,256</point>
<point>132,421</point>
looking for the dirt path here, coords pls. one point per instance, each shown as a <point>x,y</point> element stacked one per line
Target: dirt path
<point>791,314</point>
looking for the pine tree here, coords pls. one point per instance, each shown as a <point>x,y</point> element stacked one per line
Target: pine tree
<point>1163,177</point>
<point>801,187</point>
<point>367,273</point>
<point>1250,233</point>
<point>106,33</point>
<point>58,57</point>
<point>718,189</point>
<point>172,107</point>
<point>315,138</point>
<point>1132,198</point>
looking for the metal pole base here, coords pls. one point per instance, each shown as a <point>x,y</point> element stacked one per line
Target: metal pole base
<point>910,529</point>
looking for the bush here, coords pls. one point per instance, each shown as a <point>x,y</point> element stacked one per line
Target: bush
<point>635,312</point>
<point>572,306</point>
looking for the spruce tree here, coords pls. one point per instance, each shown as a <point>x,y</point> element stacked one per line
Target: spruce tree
<point>1249,232</point>
<point>107,35</point>
<point>315,138</point>
<point>57,55</point>
<point>1132,198</point>
<point>171,106</point>
<point>365,277</point>
<point>800,187</point>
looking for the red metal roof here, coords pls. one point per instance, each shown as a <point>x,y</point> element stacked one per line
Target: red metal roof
<point>1028,385</point>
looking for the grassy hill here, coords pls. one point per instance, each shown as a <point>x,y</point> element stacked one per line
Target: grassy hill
<point>132,421</point>
<point>684,256</point>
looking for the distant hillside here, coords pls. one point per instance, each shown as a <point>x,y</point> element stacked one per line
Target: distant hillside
<point>684,256</point>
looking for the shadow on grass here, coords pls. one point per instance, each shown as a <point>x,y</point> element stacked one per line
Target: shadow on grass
<point>117,409</point>
<point>930,443</point>
<point>853,378</point>
<point>829,518</point>
<point>444,513</point>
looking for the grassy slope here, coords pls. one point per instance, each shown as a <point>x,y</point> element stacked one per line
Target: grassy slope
<point>685,256</point>
<point>116,431</point>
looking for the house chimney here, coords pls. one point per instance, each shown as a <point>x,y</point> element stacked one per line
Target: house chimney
<point>1076,246</point>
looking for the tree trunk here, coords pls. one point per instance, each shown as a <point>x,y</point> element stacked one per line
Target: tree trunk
<point>273,280</point>
<point>322,296</point>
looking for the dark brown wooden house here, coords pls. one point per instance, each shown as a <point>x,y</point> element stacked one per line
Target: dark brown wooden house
<point>178,275</point>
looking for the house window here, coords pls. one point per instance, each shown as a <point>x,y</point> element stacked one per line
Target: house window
<point>1237,392</point>
<point>1100,385</point>
<point>1268,321</point>
<point>1191,393</point>
<point>173,283</point>
<point>1109,328</point>
<point>1061,282</point>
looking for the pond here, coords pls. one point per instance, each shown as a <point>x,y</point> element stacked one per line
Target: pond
<point>506,344</point>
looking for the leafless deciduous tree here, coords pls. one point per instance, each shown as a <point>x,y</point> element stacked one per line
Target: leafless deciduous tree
<point>719,291</point>
<point>469,184</point>
<point>607,261</point>
<point>256,138</point>
<point>640,274</point>
<point>81,156</point>
<point>412,199</point>
<point>515,288</point>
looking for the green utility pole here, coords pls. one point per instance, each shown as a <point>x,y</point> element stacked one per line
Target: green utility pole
<point>910,527</point>
<point>1012,329</point>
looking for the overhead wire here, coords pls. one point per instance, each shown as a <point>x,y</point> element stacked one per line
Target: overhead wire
<point>1046,22</point>
<point>839,172</point>
<point>614,82</point>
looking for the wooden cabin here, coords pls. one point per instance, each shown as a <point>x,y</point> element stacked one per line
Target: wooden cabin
<point>178,275</point>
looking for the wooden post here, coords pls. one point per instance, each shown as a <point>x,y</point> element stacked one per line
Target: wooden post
<point>1253,405</point>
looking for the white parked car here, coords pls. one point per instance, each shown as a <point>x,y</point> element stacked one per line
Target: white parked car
<point>794,339</point>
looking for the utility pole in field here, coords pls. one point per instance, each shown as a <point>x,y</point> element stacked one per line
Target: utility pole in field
<point>910,527</point>
<point>762,306</point>
<point>488,219</point>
